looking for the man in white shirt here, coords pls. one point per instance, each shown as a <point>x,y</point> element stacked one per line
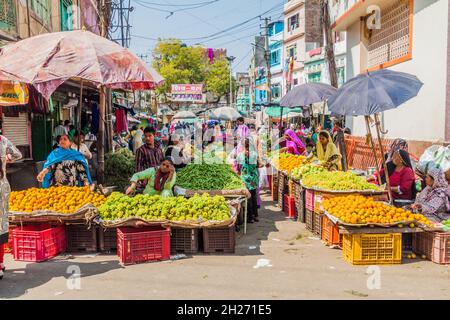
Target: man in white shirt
<point>84,150</point>
<point>59,130</point>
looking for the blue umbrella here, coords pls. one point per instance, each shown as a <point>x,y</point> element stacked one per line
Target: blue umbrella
<point>374,92</point>
<point>306,94</point>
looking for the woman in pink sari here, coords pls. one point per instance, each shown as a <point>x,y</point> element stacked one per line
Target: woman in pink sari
<point>293,144</point>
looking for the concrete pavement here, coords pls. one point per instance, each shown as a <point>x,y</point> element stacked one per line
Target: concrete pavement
<point>300,267</point>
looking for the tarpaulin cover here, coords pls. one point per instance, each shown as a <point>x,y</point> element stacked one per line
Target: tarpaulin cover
<point>48,60</point>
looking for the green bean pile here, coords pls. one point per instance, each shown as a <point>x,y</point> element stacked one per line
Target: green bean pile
<point>209,177</point>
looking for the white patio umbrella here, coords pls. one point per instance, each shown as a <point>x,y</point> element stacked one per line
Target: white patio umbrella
<point>225,114</point>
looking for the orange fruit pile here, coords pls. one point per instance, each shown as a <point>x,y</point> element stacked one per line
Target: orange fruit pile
<point>287,162</point>
<point>59,199</point>
<point>356,209</point>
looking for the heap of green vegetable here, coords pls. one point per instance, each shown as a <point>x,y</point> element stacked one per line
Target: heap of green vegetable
<point>199,207</point>
<point>119,167</point>
<point>209,177</point>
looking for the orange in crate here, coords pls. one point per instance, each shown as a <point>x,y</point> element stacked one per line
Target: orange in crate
<point>330,232</point>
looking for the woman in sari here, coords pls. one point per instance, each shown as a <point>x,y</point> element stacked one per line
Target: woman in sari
<point>8,153</point>
<point>327,151</point>
<point>433,200</point>
<point>293,144</point>
<point>247,168</point>
<point>65,167</point>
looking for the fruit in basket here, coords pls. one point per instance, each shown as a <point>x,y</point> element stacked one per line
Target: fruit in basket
<point>287,162</point>
<point>59,199</point>
<point>309,168</point>
<point>199,207</point>
<point>357,209</point>
<point>338,181</point>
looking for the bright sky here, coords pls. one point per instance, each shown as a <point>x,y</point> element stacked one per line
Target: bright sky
<point>205,24</point>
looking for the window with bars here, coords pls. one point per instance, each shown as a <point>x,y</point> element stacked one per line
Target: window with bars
<point>7,15</point>
<point>42,10</point>
<point>392,41</point>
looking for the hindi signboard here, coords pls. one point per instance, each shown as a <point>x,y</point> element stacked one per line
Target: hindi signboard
<point>188,93</point>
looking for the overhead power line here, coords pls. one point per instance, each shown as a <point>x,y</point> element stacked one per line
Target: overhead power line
<point>180,5</point>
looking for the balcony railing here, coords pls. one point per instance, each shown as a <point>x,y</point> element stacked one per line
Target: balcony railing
<point>7,15</point>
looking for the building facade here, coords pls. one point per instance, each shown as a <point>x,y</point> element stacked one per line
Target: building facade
<point>243,96</point>
<point>316,69</point>
<point>302,33</point>
<point>413,37</point>
<point>276,33</point>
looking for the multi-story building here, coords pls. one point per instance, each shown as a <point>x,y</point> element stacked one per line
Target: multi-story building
<point>302,33</point>
<point>316,69</point>
<point>410,36</point>
<point>276,59</point>
<point>243,99</point>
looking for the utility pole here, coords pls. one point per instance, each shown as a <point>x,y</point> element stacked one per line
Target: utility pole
<point>267,56</point>
<point>230,60</point>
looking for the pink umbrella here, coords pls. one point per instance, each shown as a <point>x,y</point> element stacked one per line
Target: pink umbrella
<point>48,60</point>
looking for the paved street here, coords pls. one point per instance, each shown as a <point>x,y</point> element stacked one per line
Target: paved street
<point>301,268</point>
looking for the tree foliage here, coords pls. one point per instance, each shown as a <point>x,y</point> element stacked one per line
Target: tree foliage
<point>180,64</point>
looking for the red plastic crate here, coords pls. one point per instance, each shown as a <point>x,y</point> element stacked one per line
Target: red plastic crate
<point>137,245</point>
<point>9,246</point>
<point>330,232</point>
<point>289,206</point>
<point>434,245</point>
<point>269,178</point>
<point>36,243</point>
<point>309,199</point>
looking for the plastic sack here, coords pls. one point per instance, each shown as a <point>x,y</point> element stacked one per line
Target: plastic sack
<point>263,177</point>
<point>435,156</point>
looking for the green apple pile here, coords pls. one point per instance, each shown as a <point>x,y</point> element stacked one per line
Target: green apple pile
<point>310,168</point>
<point>197,208</point>
<point>337,180</point>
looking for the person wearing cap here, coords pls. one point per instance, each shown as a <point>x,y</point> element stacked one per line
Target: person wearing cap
<point>160,179</point>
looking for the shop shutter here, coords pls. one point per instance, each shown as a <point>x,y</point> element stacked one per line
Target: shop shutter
<point>16,129</point>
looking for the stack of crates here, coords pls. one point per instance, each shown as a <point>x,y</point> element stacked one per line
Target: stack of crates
<point>434,245</point>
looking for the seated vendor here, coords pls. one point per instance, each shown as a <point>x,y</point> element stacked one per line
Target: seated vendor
<point>160,180</point>
<point>65,167</point>
<point>327,152</point>
<point>433,200</point>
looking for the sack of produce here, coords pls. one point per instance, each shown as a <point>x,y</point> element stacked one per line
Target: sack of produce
<point>119,167</point>
<point>434,156</point>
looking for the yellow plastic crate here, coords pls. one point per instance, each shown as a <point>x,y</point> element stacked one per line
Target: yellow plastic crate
<point>367,249</point>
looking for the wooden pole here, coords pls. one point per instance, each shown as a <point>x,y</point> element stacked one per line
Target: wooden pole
<point>372,146</point>
<point>101,138</point>
<point>80,107</point>
<point>101,111</point>
<point>377,124</point>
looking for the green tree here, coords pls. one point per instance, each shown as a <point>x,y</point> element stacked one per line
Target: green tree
<point>217,78</point>
<point>179,63</point>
